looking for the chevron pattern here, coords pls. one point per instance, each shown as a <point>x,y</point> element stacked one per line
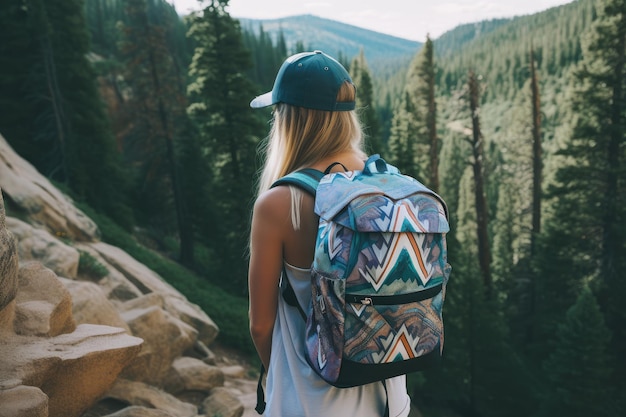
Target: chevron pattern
<point>383,259</point>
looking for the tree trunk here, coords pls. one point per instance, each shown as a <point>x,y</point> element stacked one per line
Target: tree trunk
<point>431,123</point>
<point>484,252</point>
<point>537,153</point>
<point>56,100</point>
<point>537,181</point>
<point>185,234</point>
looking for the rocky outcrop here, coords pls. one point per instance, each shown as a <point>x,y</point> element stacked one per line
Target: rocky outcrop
<point>115,340</point>
<point>48,365</point>
<point>41,202</point>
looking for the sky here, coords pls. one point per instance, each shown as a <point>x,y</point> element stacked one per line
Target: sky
<point>408,19</point>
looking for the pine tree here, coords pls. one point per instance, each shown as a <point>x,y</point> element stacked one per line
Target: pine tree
<point>426,96</point>
<point>220,96</point>
<point>402,140</point>
<point>156,104</point>
<point>587,234</point>
<point>69,134</point>
<point>579,369</point>
<point>365,103</point>
<point>22,81</point>
<point>413,140</point>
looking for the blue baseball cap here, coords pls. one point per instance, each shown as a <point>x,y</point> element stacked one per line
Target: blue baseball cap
<point>310,80</point>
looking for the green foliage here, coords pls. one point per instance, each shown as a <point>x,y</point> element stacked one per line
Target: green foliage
<point>230,132</point>
<point>53,95</point>
<point>88,265</point>
<point>579,369</point>
<point>365,103</point>
<point>498,49</point>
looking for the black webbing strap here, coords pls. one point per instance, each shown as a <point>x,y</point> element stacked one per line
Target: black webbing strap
<point>260,395</point>
<point>290,296</point>
<point>384,381</point>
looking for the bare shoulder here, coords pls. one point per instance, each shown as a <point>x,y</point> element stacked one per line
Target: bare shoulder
<point>273,204</point>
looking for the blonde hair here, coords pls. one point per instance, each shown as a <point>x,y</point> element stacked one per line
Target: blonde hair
<point>300,137</point>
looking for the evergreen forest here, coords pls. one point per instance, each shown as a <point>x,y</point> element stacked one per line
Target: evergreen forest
<point>142,117</point>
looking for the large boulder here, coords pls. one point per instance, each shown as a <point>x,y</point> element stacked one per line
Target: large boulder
<point>41,201</point>
<point>166,338</point>
<point>8,273</point>
<point>91,306</point>
<point>43,304</point>
<point>190,374</point>
<point>178,306</point>
<point>23,401</point>
<point>73,369</point>
<point>40,245</point>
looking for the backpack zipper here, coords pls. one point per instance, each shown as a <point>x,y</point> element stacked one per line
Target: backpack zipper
<point>369,300</point>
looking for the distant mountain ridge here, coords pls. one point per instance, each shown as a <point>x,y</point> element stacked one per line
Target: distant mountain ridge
<point>337,39</point>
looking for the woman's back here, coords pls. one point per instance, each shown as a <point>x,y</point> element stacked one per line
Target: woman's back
<point>314,125</point>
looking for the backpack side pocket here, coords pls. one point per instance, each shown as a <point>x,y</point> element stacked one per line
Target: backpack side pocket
<point>325,327</point>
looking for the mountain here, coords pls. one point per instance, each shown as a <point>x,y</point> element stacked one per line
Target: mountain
<point>454,40</point>
<point>337,39</point>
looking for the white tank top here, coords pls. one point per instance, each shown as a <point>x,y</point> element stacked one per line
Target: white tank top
<point>293,389</point>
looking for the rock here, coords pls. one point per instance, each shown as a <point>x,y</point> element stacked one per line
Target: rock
<point>223,403</point>
<point>233,371</point>
<point>200,351</point>
<point>180,308</point>
<point>166,338</point>
<point>136,411</point>
<point>8,273</point>
<point>190,374</point>
<point>145,279</point>
<point>43,305</point>
<point>140,394</point>
<point>40,245</point>
<point>42,202</point>
<point>193,316</point>
<point>90,305</point>
<point>23,401</point>
<point>74,370</point>
<point>115,285</point>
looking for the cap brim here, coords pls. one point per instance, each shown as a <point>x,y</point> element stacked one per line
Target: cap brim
<point>262,101</point>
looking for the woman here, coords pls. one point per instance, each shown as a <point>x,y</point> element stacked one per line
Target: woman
<point>314,126</point>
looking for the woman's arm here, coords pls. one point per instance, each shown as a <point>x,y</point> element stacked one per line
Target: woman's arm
<point>269,221</point>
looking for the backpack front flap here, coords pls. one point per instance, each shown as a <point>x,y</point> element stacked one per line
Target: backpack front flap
<point>379,276</point>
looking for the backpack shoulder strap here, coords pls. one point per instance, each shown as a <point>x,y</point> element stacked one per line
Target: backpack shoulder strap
<point>306,179</point>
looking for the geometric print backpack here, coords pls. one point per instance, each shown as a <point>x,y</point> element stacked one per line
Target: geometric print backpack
<point>379,274</point>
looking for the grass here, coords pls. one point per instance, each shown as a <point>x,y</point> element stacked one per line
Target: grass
<point>90,266</point>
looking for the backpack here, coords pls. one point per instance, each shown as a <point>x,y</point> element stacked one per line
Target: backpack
<point>378,277</point>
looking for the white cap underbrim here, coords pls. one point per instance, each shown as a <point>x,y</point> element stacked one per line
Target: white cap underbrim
<point>262,101</point>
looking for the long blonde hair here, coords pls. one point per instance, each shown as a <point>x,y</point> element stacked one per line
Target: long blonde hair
<point>299,137</point>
